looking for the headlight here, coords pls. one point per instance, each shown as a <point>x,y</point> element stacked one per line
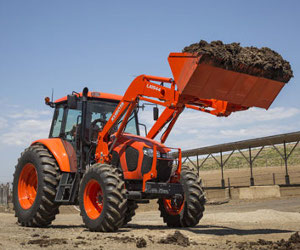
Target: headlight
<point>167,155</point>
<point>149,152</point>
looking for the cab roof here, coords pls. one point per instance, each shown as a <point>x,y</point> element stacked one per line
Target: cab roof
<point>97,95</point>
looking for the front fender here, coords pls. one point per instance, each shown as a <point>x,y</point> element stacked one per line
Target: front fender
<point>62,151</point>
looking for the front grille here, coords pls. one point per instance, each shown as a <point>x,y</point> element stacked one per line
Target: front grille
<point>115,161</point>
<point>164,169</point>
<point>132,157</point>
<point>146,164</point>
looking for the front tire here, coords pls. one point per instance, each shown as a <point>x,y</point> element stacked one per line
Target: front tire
<point>102,198</point>
<point>130,211</point>
<point>34,187</point>
<point>188,211</point>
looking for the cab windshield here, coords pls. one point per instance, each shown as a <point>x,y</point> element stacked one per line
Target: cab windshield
<point>66,121</point>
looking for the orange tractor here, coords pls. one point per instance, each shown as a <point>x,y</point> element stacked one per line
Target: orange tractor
<point>95,156</point>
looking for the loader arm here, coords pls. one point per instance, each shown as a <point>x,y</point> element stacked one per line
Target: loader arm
<point>141,88</point>
<point>198,86</point>
<point>144,88</point>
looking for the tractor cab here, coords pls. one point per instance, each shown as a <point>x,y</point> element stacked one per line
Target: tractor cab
<point>68,118</point>
<point>78,122</point>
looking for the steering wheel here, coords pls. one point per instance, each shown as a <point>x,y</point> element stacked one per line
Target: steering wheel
<point>95,129</point>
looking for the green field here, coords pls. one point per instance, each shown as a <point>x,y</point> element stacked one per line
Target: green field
<point>267,157</point>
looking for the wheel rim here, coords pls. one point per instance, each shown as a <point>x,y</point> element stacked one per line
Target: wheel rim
<point>27,186</point>
<point>173,206</point>
<point>93,199</point>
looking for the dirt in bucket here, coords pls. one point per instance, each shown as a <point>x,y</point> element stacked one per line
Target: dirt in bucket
<point>262,62</point>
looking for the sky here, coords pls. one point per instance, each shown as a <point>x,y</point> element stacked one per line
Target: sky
<point>67,45</point>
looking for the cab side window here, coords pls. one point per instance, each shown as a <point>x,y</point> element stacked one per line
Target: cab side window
<point>72,123</point>
<point>57,122</point>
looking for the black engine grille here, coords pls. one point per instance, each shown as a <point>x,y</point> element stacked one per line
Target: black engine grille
<point>132,157</point>
<point>163,167</point>
<point>146,164</point>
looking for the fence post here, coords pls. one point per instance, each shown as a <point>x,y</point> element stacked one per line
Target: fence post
<point>287,177</point>
<point>222,171</point>
<point>1,194</point>
<point>274,181</point>
<point>229,188</point>
<point>251,168</point>
<point>5,196</point>
<point>9,192</point>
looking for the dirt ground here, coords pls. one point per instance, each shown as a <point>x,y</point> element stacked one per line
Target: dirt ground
<point>258,224</point>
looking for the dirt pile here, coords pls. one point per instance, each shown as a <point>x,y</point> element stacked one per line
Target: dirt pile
<point>44,242</point>
<point>292,243</point>
<point>122,239</point>
<point>176,239</point>
<point>262,62</point>
<point>139,241</point>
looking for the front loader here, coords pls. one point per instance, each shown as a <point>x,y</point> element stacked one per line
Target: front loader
<point>95,156</point>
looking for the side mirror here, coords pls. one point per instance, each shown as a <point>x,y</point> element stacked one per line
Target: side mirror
<point>155,113</point>
<point>72,101</point>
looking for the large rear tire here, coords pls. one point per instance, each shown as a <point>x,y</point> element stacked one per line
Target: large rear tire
<point>102,198</point>
<point>34,187</point>
<point>188,211</point>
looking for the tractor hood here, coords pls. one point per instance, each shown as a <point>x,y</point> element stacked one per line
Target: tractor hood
<point>129,139</point>
<point>139,157</point>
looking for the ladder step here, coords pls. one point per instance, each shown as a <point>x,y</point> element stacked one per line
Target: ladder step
<point>67,188</point>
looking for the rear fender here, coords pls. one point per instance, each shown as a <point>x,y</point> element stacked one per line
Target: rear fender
<point>62,151</point>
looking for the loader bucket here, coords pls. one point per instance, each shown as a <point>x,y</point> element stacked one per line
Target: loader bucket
<point>204,81</point>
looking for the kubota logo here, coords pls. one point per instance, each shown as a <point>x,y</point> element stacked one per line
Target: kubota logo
<point>149,86</point>
<point>117,111</point>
